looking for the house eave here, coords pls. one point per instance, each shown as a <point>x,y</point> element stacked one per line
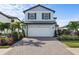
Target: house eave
<point>40,22</point>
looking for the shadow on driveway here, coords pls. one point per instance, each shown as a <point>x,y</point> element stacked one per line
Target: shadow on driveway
<point>31,42</point>
<point>37,42</point>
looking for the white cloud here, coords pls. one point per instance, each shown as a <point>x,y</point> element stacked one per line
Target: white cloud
<point>64,22</point>
<point>14,9</point>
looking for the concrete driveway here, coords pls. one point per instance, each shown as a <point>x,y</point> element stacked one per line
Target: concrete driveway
<point>39,46</point>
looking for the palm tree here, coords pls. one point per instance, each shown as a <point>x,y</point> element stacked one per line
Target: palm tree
<point>7,26</point>
<point>18,26</point>
<point>73,25</point>
<point>13,25</point>
<point>23,25</point>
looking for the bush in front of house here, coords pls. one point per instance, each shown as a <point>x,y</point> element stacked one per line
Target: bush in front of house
<point>10,38</point>
<point>6,41</point>
<point>68,38</point>
<point>2,41</point>
<point>20,36</point>
<point>77,33</point>
<point>9,41</point>
<point>15,36</point>
<point>64,32</point>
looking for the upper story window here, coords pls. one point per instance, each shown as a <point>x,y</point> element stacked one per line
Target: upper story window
<point>31,15</point>
<point>45,15</point>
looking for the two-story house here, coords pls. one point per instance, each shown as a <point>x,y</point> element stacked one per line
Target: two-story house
<point>40,22</point>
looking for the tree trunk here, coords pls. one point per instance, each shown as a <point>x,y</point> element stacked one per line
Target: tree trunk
<point>7,31</point>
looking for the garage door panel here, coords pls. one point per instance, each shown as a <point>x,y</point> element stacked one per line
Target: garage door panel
<point>36,31</point>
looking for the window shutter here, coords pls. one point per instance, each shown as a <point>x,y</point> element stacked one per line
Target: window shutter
<point>28,15</point>
<point>49,15</point>
<point>42,15</point>
<point>35,15</point>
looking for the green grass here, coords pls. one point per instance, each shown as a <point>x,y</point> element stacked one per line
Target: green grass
<point>4,47</point>
<point>73,44</point>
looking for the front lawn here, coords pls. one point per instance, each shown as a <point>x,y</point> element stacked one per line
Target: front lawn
<point>70,40</point>
<point>4,46</point>
<point>73,44</point>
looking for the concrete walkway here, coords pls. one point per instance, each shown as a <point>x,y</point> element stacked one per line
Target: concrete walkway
<point>3,51</point>
<point>39,46</point>
<point>74,50</point>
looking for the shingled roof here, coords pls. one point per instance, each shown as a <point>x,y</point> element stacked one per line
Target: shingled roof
<point>8,16</point>
<point>40,6</point>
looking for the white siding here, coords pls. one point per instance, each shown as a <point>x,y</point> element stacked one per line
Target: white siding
<point>39,11</point>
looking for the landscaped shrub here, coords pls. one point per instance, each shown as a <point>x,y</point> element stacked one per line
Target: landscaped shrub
<point>0,34</point>
<point>59,32</point>
<point>2,41</point>
<point>23,33</point>
<point>15,36</point>
<point>68,37</point>
<point>65,32</point>
<point>9,41</point>
<point>20,36</point>
<point>77,33</point>
<point>9,35</point>
<point>6,41</point>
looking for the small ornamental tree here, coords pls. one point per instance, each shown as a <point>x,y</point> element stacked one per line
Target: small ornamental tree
<point>74,25</point>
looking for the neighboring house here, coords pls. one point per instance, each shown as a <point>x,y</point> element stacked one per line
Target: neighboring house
<point>7,19</point>
<point>4,18</point>
<point>40,22</point>
<point>63,28</point>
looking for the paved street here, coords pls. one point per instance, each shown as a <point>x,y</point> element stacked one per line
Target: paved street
<point>39,46</point>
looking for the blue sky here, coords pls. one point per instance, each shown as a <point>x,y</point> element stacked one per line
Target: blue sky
<point>64,12</point>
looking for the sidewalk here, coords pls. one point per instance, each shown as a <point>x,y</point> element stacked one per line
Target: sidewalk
<point>3,51</point>
<point>74,50</point>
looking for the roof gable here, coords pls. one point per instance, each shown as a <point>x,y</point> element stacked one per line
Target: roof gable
<point>38,6</point>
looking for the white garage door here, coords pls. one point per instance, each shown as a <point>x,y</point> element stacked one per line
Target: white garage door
<point>40,31</point>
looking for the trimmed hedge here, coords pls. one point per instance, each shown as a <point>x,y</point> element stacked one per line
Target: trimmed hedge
<point>10,39</point>
<point>6,41</point>
<point>68,38</point>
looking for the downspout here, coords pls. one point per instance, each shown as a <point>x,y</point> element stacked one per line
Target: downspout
<point>55,33</point>
<point>27,30</point>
